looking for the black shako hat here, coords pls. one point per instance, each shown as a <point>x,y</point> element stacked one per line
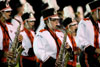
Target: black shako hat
<point>25,16</point>
<point>49,13</point>
<point>28,17</point>
<point>92,6</point>
<point>66,21</point>
<point>4,6</point>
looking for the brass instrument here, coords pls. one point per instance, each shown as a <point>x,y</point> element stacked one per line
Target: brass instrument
<point>64,55</point>
<point>16,49</point>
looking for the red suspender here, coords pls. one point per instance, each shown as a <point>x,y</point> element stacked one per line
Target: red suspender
<point>29,34</point>
<point>73,46</point>
<point>57,40</point>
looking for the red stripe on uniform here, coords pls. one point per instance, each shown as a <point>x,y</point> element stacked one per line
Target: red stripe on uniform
<point>29,58</point>
<point>30,36</point>
<point>58,43</point>
<point>96,36</point>
<point>72,63</point>
<point>5,39</point>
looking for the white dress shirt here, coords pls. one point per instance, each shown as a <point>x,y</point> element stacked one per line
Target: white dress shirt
<point>26,43</point>
<point>85,34</point>
<point>11,34</point>
<point>45,45</point>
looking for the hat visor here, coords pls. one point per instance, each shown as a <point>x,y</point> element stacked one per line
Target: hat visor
<point>7,9</point>
<point>31,19</point>
<point>54,17</point>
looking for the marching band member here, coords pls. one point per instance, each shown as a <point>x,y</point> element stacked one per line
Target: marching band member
<point>16,13</point>
<point>71,27</point>
<point>88,36</point>
<point>28,57</point>
<point>48,41</point>
<point>71,24</point>
<point>6,33</point>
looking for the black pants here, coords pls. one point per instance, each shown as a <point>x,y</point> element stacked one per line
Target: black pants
<point>92,62</point>
<point>82,59</point>
<point>49,63</point>
<point>1,56</point>
<point>28,63</point>
<point>3,64</point>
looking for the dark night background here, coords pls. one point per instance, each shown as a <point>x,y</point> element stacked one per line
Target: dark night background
<point>61,3</point>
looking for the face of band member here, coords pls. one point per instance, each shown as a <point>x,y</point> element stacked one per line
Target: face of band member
<point>31,24</point>
<point>6,14</point>
<point>73,26</point>
<point>98,13</point>
<point>53,23</point>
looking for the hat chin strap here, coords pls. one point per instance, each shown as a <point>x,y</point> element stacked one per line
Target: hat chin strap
<point>4,16</point>
<point>26,25</point>
<point>50,24</point>
<point>97,12</point>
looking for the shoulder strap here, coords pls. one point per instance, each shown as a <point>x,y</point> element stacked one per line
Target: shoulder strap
<point>5,30</point>
<point>57,40</point>
<point>17,20</point>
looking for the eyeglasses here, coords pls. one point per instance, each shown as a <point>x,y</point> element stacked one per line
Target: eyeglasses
<point>54,19</point>
<point>73,24</point>
<point>7,11</point>
<point>30,21</point>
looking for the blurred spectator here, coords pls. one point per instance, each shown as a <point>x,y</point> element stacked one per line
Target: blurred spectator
<point>17,13</point>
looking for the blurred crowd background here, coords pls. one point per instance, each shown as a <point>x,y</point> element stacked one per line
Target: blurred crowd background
<point>36,5</point>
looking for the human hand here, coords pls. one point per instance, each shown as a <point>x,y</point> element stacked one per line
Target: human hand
<point>9,54</point>
<point>58,63</point>
<point>20,38</point>
<point>67,46</point>
<point>78,51</point>
<point>97,50</point>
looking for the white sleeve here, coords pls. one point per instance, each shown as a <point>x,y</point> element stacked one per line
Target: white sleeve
<point>15,24</point>
<point>81,38</point>
<point>24,45</point>
<point>39,46</point>
<point>1,39</point>
<point>25,42</point>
